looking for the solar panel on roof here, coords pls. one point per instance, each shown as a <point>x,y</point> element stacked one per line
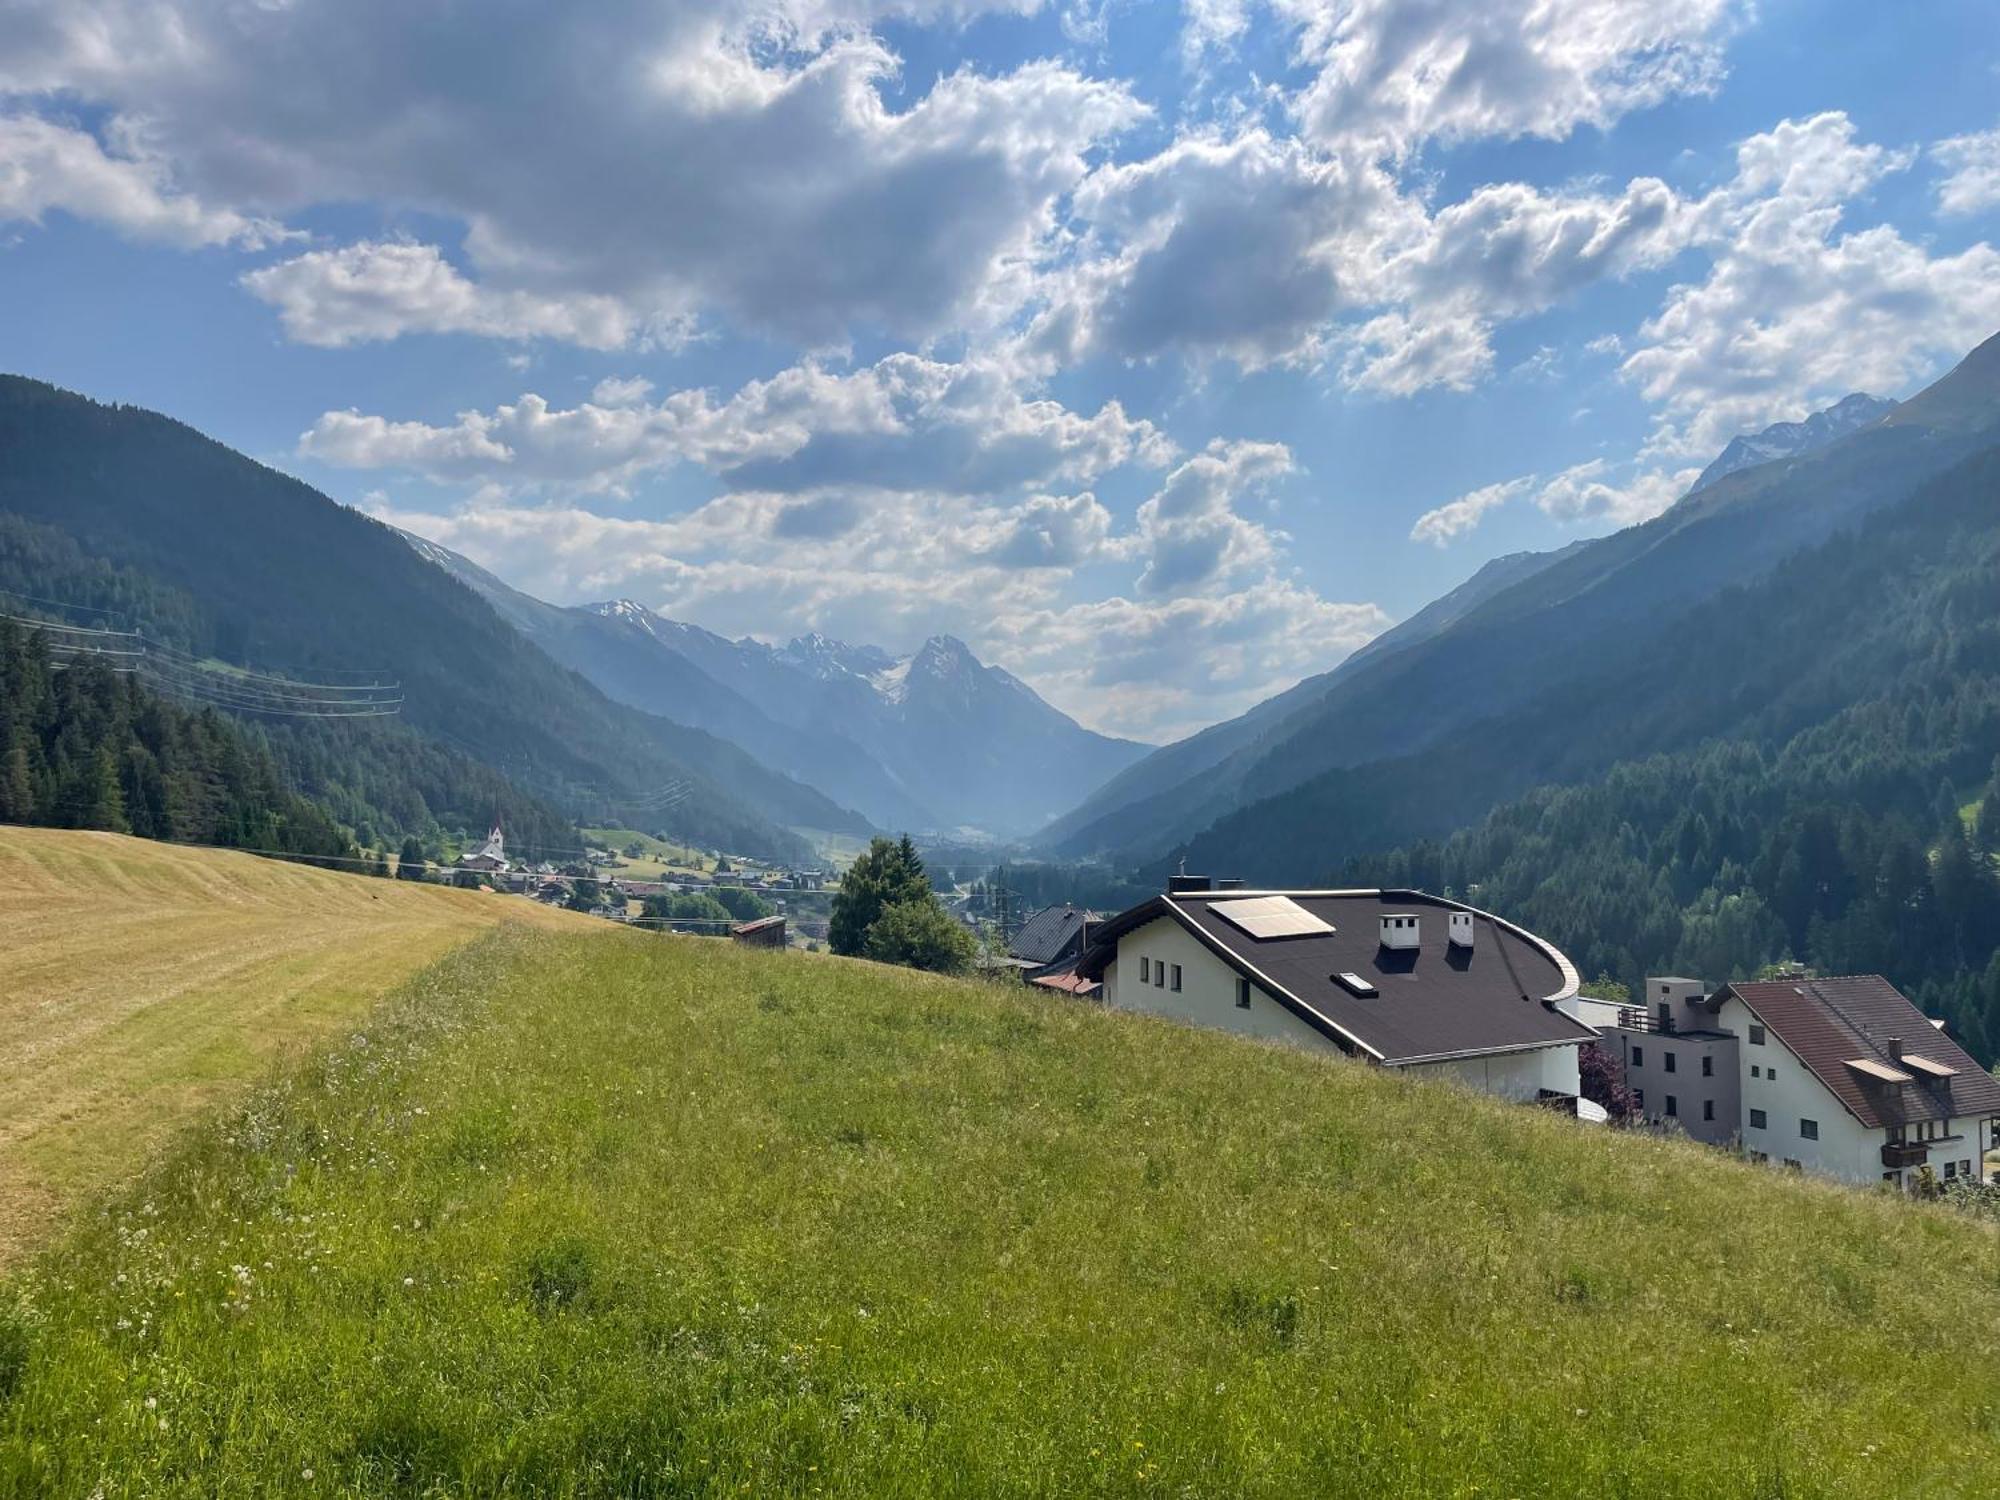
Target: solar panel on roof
<point>1270,917</point>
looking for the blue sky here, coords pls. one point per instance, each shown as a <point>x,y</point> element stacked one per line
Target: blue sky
<point>1164,354</point>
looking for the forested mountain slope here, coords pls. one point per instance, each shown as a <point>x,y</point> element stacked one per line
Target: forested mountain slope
<point>1167,770</point>
<point>1826,789</point>
<point>284,579</point>
<point>1598,609</point>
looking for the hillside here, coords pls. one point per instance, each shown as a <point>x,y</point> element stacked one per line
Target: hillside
<point>774,1225</point>
<point>1815,809</point>
<point>146,982</point>
<point>278,577</point>
<point>1564,626</point>
<point>1896,610</point>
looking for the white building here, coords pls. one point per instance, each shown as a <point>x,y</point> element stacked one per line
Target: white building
<point>1844,1077</point>
<point>489,856</point>
<point>1395,978</point>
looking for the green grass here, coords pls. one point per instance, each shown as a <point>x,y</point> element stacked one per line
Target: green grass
<point>662,860</point>
<point>617,1215</point>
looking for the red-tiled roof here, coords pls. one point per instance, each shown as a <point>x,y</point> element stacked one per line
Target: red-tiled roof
<point>1068,981</point>
<point>1830,1022</point>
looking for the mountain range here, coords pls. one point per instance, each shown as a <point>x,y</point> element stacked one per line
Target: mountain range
<point>934,742</point>
<point>1481,696</point>
<point>264,572</point>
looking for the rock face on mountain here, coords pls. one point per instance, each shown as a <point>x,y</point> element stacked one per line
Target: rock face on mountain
<point>1792,439</point>
<point>959,745</point>
<point>934,742</point>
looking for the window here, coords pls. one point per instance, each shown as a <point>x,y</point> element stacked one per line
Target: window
<point>1639,1098</point>
<point>1760,1156</point>
<point>1755,1071</point>
<point>1892,1177</point>
<point>1145,970</point>
<point>1769,1074</point>
<point>1707,1066</point>
<point>1177,978</point>
<point>1950,1170</point>
<point>1159,974</point>
<point>1809,1130</point>
<point>1793,1164</point>
<point>1638,1057</point>
<point>1673,1107</point>
<point>1670,1062</point>
<point>1708,1109</point>
<point>1756,1036</point>
<point>1756,1119</point>
<point>1242,994</point>
<point>1965,1168</point>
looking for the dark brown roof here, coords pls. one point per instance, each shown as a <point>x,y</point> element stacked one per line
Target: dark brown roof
<point>1828,1022</point>
<point>1434,1001</point>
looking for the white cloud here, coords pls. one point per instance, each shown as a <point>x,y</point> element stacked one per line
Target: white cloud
<point>1795,313</point>
<point>615,390</point>
<point>1458,517</point>
<point>1971,183</point>
<point>383,290</point>
<point>1191,532</point>
<point>904,423</point>
<point>47,167</point>
<point>1590,492</point>
<point>1394,74</point>
<point>713,155</point>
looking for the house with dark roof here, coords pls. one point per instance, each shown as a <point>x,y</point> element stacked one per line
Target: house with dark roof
<point>1053,938</point>
<point>1397,979</point>
<point>1840,1076</point>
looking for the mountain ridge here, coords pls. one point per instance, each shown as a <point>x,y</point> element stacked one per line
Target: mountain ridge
<point>1576,608</point>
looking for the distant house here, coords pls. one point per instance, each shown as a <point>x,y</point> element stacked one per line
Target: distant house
<point>1052,938</point>
<point>1397,979</point>
<point>489,857</point>
<point>765,932</point>
<point>1844,1077</point>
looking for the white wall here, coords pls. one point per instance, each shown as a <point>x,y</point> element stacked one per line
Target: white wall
<point>1207,995</point>
<point>1511,1075</point>
<point>1845,1148</point>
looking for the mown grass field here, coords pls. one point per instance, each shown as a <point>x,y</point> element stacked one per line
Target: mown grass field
<point>611,1214</point>
<point>142,983</point>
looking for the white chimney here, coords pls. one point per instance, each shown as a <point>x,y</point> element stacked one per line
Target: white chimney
<point>1461,929</point>
<point>1399,930</point>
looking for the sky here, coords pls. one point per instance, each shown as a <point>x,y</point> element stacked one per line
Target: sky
<point>1164,354</point>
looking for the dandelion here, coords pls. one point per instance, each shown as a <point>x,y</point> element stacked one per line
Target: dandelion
<point>409,1281</point>
<point>152,1403</point>
<point>305,1473</point>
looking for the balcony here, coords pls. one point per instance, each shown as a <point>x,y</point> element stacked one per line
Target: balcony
<point>1905,1153</point>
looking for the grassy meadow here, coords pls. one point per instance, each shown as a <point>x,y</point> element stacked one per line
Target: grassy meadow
<point>143,983</point>
<point>613,1214</point>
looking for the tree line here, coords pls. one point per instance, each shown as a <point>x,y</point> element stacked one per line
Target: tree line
<point>83,746</point>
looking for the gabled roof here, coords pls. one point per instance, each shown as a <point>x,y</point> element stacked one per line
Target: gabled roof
<point>1431,1002</point>
<point>1049,934</point>
<point>1834,1025</point>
